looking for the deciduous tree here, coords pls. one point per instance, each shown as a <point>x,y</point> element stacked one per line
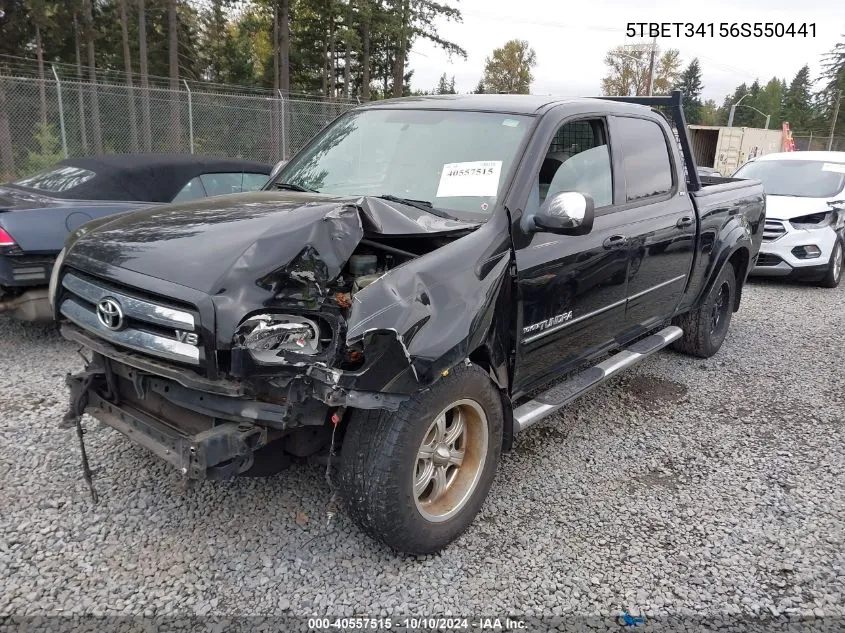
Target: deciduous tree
<point>508,70</point>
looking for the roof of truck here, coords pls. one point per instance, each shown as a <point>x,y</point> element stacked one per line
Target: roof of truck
<point>512,104</point>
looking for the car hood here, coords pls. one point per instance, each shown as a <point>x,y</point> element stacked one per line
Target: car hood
<point>279,239</point>
<point>788,207</point>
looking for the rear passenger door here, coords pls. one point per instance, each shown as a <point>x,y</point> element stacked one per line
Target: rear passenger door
<point>661,221</point>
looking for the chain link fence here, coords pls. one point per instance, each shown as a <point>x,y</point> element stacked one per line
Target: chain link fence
<point>43,121</point>
<point>819,143</point>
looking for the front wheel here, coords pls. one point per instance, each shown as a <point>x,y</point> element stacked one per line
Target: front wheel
<point>416,478</point>
<point>834,267</point>
<point>706,327</point>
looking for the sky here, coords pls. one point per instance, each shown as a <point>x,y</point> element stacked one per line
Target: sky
<point>571,39</point>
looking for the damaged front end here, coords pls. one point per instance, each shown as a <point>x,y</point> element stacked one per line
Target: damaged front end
<point>333,304</point>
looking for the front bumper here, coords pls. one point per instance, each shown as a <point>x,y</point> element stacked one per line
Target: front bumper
<point>205,435</point>
<point>776,258</point>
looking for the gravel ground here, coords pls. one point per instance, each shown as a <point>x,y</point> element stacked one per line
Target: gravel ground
<point>685,487</point>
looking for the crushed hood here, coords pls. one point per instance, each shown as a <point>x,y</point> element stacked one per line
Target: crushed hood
<point>284,240</point>
<point>788,207</point>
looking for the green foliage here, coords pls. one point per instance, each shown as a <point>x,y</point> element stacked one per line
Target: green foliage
<point>48,152</point>
<point>690,85</point>
<point>710,114</point>
<point>797,107</point>
<point>509,68</point>
<point>628,71</point>
<point>445,86</point>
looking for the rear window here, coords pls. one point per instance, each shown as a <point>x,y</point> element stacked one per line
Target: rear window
<point>799,178</point>
<point>57,179</point>
<point>645,158</point>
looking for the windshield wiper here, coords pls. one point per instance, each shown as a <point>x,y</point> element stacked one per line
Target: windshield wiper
<point>423,205</point>
<point>289,186</point>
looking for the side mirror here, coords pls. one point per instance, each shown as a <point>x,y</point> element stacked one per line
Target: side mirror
<point>565,213</point>
<point>276,169</point>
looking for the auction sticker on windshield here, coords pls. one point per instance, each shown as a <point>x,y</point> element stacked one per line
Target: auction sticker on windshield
<point>838,168</point>
<point>476,178</point>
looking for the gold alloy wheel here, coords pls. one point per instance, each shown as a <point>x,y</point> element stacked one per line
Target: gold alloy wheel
<point>450,460</point>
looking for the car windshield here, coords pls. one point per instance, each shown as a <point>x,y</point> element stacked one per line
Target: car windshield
<point>800,178</point>
<point>449,159</point>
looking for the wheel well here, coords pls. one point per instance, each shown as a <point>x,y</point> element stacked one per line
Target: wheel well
<point>739,260</point>
<point>481,357</point>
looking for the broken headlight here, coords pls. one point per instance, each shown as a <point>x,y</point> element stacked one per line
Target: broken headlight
<point>813,220</point>
<point>272,337</point>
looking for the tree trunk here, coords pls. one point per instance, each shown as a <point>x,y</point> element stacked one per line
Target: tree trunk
<point>130,90</point>
<point>96,129</point>
<point>145,86</point>
<point>7,157</point>
<point>325,67</point>
<point>275,115</point>
<point>42,93</point>
<point>173,62</point>
<point>83,132</point>
<point>332,60</point>
<point>399,62</point>
<point>365,57</point>
<point>284,46</point>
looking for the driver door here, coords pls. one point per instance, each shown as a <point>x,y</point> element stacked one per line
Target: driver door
<point>571,289</point>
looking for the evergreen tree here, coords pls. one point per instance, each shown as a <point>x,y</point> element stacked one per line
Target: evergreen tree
<point>797,106</point>
<point>445,86</point>
<point>690,85</point>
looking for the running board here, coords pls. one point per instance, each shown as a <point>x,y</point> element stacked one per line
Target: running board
<point>565,392</point>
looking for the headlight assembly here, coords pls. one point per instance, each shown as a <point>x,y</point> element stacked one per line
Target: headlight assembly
<point>272,337</point>
<point>813,220</point>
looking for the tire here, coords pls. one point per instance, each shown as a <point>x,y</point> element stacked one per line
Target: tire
<point>381,462</point>
<point>834,267</point>
<point>705,328</point>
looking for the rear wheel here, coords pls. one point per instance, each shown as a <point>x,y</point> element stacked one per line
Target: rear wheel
<point>834,268</point>
<point>416,478</point>
<point>706,327</point>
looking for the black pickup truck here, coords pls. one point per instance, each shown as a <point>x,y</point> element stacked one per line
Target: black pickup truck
<point>425,279</point>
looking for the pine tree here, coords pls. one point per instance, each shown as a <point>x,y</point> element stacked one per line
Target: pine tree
<point>690,85</point>
<point>797,106</point>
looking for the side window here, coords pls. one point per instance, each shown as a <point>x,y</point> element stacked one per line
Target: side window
<point>220,184</point>
<point>578,159</point>
<point>191,191</point>
<point>645,158</point>
<point>232,182</point>
<point>254,182</point>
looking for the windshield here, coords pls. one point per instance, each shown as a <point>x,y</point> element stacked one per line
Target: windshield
<point>800,178</point>
<point>453,160</point>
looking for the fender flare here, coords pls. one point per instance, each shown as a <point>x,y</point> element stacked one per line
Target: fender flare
<point>736,241</point>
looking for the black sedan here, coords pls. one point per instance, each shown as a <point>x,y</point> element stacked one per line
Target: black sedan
<point>39,211</point>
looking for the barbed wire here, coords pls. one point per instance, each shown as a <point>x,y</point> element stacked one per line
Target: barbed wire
<point>25,67</point>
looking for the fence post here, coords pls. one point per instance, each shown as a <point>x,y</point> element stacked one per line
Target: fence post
<point>282,122</point>
<point>61,110</point>
<point>190,118</point>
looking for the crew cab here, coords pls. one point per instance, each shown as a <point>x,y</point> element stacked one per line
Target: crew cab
<point>427,278</point>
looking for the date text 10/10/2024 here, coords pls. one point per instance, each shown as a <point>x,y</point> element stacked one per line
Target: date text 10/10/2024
<point>720,29</point>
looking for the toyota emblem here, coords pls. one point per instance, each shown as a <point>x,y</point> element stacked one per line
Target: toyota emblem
<point>110,313</point>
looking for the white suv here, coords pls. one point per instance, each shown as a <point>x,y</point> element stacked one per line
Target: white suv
<point>805,215</point>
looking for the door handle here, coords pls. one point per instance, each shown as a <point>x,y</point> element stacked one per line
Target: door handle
<point>684,222</point>
<point>615,241</point>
